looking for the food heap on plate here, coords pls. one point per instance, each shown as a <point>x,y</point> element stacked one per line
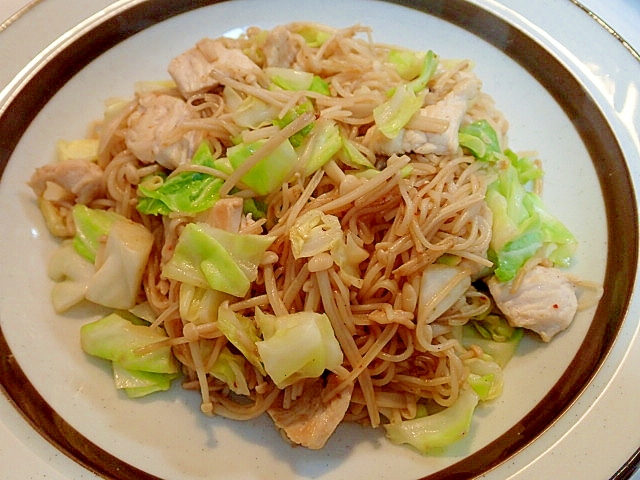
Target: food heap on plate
<point>307,223</point>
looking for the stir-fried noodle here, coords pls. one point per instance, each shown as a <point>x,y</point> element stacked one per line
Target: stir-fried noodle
<point>424,205</point>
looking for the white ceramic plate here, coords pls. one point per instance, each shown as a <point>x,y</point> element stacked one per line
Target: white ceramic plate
<point>554,96</point>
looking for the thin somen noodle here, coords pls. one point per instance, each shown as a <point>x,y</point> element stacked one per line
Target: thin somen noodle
<point>377,252</point>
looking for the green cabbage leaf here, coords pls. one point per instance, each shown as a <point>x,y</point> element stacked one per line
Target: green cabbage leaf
<point>438,430</point>
<point>187,192</point>
<point>522,225</point>
<point>296,346</point>
<point>209,257</point>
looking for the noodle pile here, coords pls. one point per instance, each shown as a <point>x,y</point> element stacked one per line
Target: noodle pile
<point>419,209</point>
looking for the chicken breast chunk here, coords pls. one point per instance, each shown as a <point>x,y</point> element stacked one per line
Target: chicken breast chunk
<point>310,421</point>
<point>81,179</point>
<point>278,49</point>
<point>192,69</point>
<point>150,133</point>
<point>544,301</point>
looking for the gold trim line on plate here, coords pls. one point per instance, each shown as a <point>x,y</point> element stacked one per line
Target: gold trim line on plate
<point>15,16</point>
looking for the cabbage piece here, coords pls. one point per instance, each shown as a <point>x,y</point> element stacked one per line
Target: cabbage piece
<point>72,273</point>
<point>554,232</point>
<point>254,113</point>
<point>242,332</point>
<point>136,383</point>
<point>144,312</point>
<point>208,257</point>
<point>268,174</point>
<point>255,207</point>
<point>391,116</point>
<point>320,145</point>
<point>429,66</point>
<point>353,157</point>
<point>348,255</point>
<point>528,169</point>
<point>120,249</point>
<point>313,233</point>
<point>440,287</point>
<point>200,305</point>
<point>522,226</point>
<point>290,79</point>
<point>313,36</point>
<point>481,140</point>
<point>83,149</point>
<point>494,327</point>
<point>298,345</point>
<point>188,192</point>
<point>116,282</point>
<point>92,226</point>
<point>485,377</point>
<point>438,430</point>
<point>407,63</point>
<point>117,339</point>
<point>406,100</point>
<point>499,346</point>
<point>320,85</point>
<point>297,138</point>
<point>229,368</point>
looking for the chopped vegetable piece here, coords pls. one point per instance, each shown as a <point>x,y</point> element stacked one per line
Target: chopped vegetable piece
<point>72,273</point>
<point>297,138</point>
<point>132,346</point>
<point>298,345</point>
<point>485,377</point>
<point>269,173</point>
<point>137,383</point>
<point>481,140</point>
<point>116,282</point>
<point>438,430</point>
<point>254,113</point>
<point>429,66</point>
<point>188,192</point>
<point>242,332</point>
<point>392,115</point>
<point>92,226</point>
<point>229,368</point>
<point>522,225</point>
<point>200,305</point>
<point>500,351</point>
<point>84,149</point>
<point>407,63</point>
<point>323,142</point>
<point>440,287</point>
<point>313,233</point>
<point>208,257</point>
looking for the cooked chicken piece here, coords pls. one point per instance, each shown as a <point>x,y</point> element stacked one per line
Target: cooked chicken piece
<point>192,69</point>
<point>544,301</point>
<point>278,50</point>
<point>225,214</point>
<point>310,422</point>
<point>451,108</point>
<point>82,179</point>
<point>150,135</point>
